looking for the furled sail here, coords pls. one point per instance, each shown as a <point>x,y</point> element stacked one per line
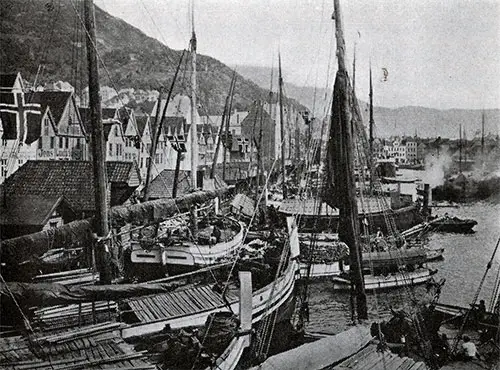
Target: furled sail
<point>51,294</point>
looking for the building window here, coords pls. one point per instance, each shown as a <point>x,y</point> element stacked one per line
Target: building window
<point>4,142</point>
<point>53,224</point>
<point>116,131</point>
<point>40,143</point>
<point>46,127</point>
<point>60,142</point>
<point>77,143</point>
<point>110,149</point>
<point>3,168</point>
<point>66,143</point>
<point>52,142</point>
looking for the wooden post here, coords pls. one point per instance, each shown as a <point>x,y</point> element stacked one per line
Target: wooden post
<point>98,149</point>
<point>282,129</point>
<point>176,172</point>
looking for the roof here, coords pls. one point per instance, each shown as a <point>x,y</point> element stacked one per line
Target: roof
<point>55,100</point>
<point>141,121</point>
<point>162,185</point>
<point>29,210</point>
<point>72,179</point>
<point>175,125</point>
<point>120,171</point>
<point>7,80</point>
<point>109,113</point>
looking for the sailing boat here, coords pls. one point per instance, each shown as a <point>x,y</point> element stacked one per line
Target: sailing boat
<point>345,122</point>
<point>176,247</point>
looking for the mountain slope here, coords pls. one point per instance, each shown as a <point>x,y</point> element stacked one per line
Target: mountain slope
<point>44,33</point>
<point>427,122</point>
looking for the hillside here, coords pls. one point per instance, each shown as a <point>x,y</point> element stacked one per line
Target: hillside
<point>37,33</point>
<point>427,122</point>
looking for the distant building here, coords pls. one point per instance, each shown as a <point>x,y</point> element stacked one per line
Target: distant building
<point>40,125</point>
<point>28,214</point>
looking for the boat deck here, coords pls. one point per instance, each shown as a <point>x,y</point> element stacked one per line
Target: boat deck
<point>178,303</point>
<point>370,358</point>
<point>92,347</point>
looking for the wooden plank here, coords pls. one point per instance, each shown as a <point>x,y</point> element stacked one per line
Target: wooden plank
<point>151,309</point>
<point>374,360</point>
<point>167,308</point>
<point>173,309</point>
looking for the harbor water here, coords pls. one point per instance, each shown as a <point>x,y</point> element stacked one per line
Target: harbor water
<point>465,260</point>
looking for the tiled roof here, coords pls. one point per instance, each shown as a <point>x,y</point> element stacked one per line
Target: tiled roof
<point>72,179</point>
<point>28,209</point>
<point>162,185</point>
<point>119,171</point>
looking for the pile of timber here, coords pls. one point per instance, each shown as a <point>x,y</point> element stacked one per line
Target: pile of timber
<point>74,315</point>
<point>72,277</point>
<point>91,347</point>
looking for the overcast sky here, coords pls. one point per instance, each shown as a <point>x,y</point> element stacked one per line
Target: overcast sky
<point>441,54</point>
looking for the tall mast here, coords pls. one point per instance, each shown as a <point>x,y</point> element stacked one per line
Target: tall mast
<point>372,121</point>
<point>460,148</point>
<point>98,153</point>
<point>157,128</point>
<point>482,138</point>
<point>221,130</point>
<point>341,167</point>
<point>194,129</point>
<point>228,122</point>
<point>354,70</point>
<point>282,128</point>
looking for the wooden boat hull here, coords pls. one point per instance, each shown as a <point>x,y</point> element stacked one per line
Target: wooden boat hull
<point>322,270</point>
<point>187,256</point>
<point>404,218</point>
<point>264,301</point>
<point>462,227</point>
<point>395,280</point>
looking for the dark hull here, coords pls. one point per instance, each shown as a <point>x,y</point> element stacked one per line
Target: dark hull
<point>462,227</point>
<point>404,218</point>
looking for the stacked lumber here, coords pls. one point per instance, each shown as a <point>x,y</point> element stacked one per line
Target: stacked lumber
<point>74,315</point>
<point>96,346</point>
<point>72,277</point>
